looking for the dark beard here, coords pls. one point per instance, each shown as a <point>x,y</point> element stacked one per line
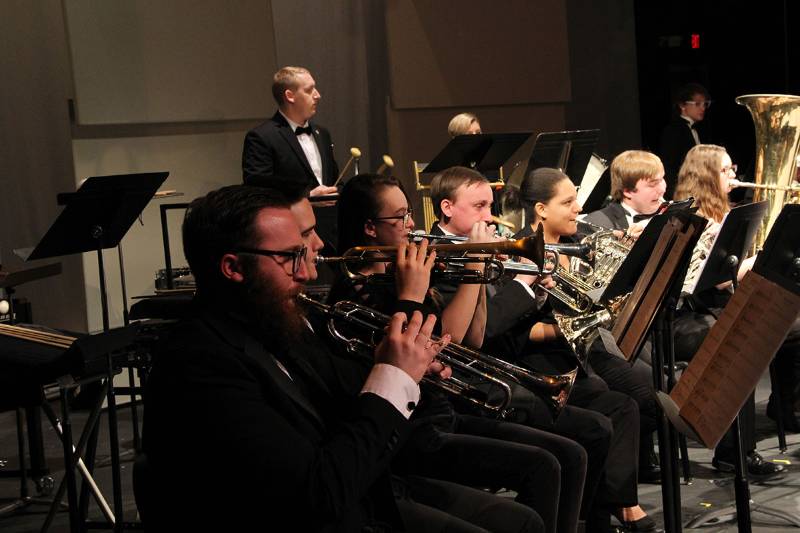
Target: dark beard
<point>274,312</point>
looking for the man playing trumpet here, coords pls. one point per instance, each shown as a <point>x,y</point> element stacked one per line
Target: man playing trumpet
<point>291,452</point>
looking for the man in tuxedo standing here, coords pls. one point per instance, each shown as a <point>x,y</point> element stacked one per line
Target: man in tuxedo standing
<point>682,131</point>
<point>289,144</point>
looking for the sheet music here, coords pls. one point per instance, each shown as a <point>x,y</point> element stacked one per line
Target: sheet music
<point>734,355</point>
<point>701,253</point>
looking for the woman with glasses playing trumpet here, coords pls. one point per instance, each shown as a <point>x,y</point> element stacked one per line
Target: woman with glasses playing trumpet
<point>550,198</point>
<point>473,450</point>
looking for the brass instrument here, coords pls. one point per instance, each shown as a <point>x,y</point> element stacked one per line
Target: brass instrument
<point>554,389</point>
<point>777,123</point>
<point>747,185</point>
<point>576,287</point>
<point>532,248</point>
<point>418,235</point>
<point>579,287</point>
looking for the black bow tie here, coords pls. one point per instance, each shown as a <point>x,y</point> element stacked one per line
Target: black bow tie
<point>301,130</point>
<point>639,218</point>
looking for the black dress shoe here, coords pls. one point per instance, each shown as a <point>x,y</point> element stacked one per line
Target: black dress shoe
<point>756,465</point>
<point>645,523</point>
<point>650,474</point>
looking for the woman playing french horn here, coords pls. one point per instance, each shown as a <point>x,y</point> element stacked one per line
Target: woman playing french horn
<point>475,450</point>
<point>550,198</point>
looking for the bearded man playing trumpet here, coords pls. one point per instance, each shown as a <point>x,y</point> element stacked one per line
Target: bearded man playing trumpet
<point>296,451</point>
<point>462,197</point>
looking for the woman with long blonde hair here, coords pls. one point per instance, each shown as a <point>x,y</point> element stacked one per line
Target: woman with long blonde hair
<point>705,175</point>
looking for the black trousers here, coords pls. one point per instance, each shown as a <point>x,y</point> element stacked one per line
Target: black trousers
<point>635,381</point>
<point>435,506</point>
<point>619,486</point>
<point>591,430</point>
<point>493,454</point>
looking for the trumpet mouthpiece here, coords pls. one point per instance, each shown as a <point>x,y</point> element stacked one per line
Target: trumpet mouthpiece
<point>355,152</point>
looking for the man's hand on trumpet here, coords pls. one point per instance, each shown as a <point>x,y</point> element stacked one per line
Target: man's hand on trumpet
<point>408,346</point>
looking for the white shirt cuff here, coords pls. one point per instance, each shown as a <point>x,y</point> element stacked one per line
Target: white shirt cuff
<point>393,385</point>
<point>527,288</point>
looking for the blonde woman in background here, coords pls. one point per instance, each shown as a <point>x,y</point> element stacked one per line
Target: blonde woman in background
<point>464,124</point>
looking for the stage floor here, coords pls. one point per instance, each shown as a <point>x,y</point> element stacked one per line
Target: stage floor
<point>709,490</point>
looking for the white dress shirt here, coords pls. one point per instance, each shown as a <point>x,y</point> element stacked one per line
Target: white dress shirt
<point>389,382</point>
<point>694,131</point>
<point>310,148</point>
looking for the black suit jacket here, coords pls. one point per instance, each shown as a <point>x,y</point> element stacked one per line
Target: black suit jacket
<point>272,149</point>
<point>234,444</point>
<point>676,141</point>
<point>611,216</point>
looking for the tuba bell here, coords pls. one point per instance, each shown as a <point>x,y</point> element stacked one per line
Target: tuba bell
<point>777,123</point>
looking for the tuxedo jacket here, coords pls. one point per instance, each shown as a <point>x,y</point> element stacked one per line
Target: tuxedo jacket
<point>272,149</point>
<point>611,216</point>
<point>676,141</point>
<point>233,443</point>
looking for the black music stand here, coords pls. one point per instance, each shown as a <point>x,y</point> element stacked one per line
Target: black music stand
<point>658,321</point>
<point>482,152</point>
<point>631,268</point>
<point>779,262</point>
<point>569,151</point>
<point>733,240</point>
<point>97,216</point>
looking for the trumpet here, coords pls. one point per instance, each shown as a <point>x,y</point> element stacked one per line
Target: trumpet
<point>532,248</point>
<point>418,235</point>
<point>554,389</point>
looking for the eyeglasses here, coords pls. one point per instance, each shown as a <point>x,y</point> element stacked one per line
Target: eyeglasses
<point>704,104</point>
<point>733,168</point>
<point>404,217</point>
<point>297,255</point>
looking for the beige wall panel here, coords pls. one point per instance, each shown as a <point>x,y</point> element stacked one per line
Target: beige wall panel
<point>420,134</point>
<point>510,52</point>
<point>35,151</point>
<point>196,163</point>
<point>148,61</point>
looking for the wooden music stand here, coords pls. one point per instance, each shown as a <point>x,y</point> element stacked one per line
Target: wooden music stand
<point>724,372</point>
